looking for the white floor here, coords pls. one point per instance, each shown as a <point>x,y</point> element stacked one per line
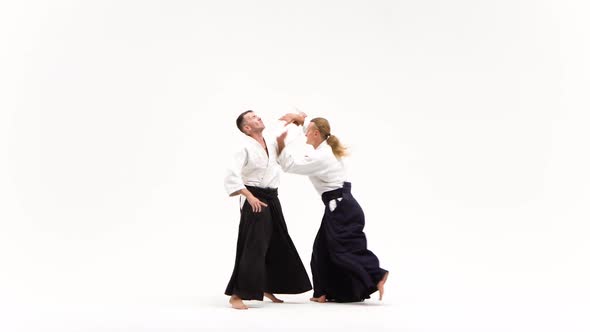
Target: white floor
<point>395,313</point>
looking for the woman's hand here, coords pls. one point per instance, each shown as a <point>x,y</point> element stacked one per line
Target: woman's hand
<point>296,118</point>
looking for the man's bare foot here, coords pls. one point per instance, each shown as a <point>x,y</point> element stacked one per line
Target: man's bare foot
<point>381,285</point>
<point>321,299</point>
<point>237,303</point>
<point>273,298</point>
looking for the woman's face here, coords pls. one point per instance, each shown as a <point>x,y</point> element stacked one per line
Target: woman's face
<point>312,134</point>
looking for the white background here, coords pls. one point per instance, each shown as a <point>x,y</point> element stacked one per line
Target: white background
<point>467,122</point>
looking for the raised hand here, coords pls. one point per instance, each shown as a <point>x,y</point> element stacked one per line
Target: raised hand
<point>296,118</point>
<point>281,137</point>
<point>281,141</point>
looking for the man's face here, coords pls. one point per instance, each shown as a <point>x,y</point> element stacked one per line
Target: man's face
<point>253,123</point>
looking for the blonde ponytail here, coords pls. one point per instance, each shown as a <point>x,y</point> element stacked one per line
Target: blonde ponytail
<point>324,127</point>
<point>338,149</point>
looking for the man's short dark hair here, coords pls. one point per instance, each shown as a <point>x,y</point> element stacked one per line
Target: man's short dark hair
<point>240,120</point>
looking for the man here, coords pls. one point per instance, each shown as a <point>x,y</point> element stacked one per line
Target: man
<point>267,261</point>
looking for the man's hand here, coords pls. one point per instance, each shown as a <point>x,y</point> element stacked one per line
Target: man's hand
<point>281,141</point>
<point>256,204</point>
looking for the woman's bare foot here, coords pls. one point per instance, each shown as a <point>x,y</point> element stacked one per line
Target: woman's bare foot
<point>321,299</point>
<point>273,298</point>
<point>381,285</point>
<point>237,303</point>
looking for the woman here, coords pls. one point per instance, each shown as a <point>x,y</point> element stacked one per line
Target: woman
<point>343,269</point>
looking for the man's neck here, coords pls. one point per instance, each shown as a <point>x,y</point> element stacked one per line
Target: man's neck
<point>258,137</point>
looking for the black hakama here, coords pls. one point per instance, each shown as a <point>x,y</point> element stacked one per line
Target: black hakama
<point>266,258</point>
<point>342,267</point>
